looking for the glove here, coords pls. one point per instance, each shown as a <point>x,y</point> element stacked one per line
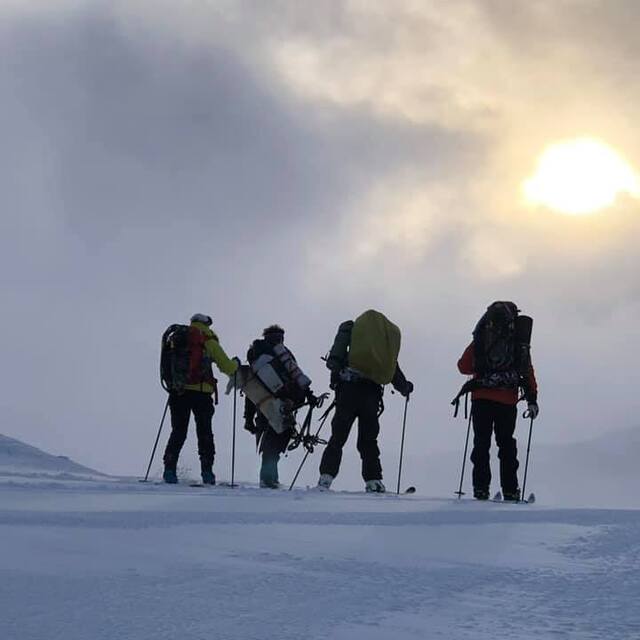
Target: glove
<point>311,399</point>
<point>250,426</point>
<point>407,389</point>
<point>532,410</point>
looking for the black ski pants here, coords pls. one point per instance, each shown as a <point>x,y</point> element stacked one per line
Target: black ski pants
<point>359,400</point>
<point>272,444</point>
<point>494,417</point>
<point>181,406</point>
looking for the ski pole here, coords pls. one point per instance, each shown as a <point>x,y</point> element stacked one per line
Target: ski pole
<point>233,440</point>
<point>153,453</point>
<point>404,425</point>
<point>460,492</point>
<point>323,419</point>
<point>526,464</point>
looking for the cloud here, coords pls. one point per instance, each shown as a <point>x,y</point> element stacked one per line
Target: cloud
<point>278,162</point>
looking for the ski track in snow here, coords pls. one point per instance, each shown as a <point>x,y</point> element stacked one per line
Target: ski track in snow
<point>120,559</point>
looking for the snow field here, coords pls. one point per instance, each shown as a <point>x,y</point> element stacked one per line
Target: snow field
<point>121,559</point>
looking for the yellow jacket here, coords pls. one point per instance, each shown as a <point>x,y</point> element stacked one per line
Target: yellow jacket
<point>217,355</point>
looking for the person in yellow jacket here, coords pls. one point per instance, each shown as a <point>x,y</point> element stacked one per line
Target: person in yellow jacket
<point>196,396</point>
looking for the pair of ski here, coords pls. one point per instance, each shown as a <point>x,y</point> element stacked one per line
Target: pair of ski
<point>407,491</point>
<point>226,485</point>
<point>498,498</point>
<point>529,500</point>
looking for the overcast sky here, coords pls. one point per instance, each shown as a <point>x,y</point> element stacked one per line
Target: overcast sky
<point>299,162</point>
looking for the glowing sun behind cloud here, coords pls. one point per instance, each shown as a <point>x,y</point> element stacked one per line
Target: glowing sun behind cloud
<point>580,176</point>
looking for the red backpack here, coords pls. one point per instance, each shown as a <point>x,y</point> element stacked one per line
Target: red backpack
<point>184,359</point>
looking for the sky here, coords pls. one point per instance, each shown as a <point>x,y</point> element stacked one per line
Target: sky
<point>299,163</point>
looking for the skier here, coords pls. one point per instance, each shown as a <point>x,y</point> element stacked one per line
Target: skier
<point>192,392</point>
<point>500,365</point>
<point>364,358</point>
<point>292,388</point>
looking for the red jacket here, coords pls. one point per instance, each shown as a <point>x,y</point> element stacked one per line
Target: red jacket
<point>504,396</point>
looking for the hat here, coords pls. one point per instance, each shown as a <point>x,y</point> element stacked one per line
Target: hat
<point>273,330</point>
<point>201,317</point>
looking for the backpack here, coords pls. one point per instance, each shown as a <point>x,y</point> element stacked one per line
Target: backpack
<point>501,351</point>
<point>277,369</point>
<point>374,347</point>
<point>501,343</point>
<point>183,358</point>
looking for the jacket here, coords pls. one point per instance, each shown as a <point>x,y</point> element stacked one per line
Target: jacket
<point>338,359</point>
<point>503,396</point>
<point>216,354</point>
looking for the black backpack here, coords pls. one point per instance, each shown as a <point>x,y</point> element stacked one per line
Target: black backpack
<point>501,350</point>
<point>494,339</point>
<point>184,360</point>
<point>175,358</point>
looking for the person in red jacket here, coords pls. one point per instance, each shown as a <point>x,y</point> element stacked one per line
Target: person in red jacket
<point>493,410</point>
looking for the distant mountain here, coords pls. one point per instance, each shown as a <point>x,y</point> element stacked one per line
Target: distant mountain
<point>20,459</point>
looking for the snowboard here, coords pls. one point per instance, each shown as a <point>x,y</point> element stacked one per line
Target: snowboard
<point>248,383</point>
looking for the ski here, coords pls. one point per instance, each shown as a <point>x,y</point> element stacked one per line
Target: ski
<point>408,491</point>
<point>499,498</point>
<point>227,485</point>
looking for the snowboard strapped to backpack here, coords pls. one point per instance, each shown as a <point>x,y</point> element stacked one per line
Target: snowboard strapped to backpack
<point>501,351</point>
<point>278,371</point>
<point>184,359</point>
<point>273,382</point>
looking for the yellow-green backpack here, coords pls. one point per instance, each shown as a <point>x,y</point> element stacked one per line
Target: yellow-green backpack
<point>374,347</point>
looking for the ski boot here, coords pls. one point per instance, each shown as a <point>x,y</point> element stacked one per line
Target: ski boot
<point>324,483</point>
<point>269,472</point>
<point>208,477</point>
<point>481,494</point>
<point>374,486</point>
<point>170,476</point>
<point>511,496</point>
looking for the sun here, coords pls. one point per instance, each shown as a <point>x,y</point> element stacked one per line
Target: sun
<point>580,176</point>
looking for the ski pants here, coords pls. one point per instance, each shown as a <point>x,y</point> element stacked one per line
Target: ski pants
<point>494,417</point>
<point>272,444</point>
<point>359,400</point>
<point>181,406</point>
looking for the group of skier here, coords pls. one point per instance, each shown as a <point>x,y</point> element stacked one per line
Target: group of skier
<point>362,360</point>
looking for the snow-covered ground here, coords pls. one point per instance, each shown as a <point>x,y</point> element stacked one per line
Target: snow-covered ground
<point>102,558</point>
<point>20,460</point>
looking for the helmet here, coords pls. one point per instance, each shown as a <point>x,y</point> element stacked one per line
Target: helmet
<point>201,317</point>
